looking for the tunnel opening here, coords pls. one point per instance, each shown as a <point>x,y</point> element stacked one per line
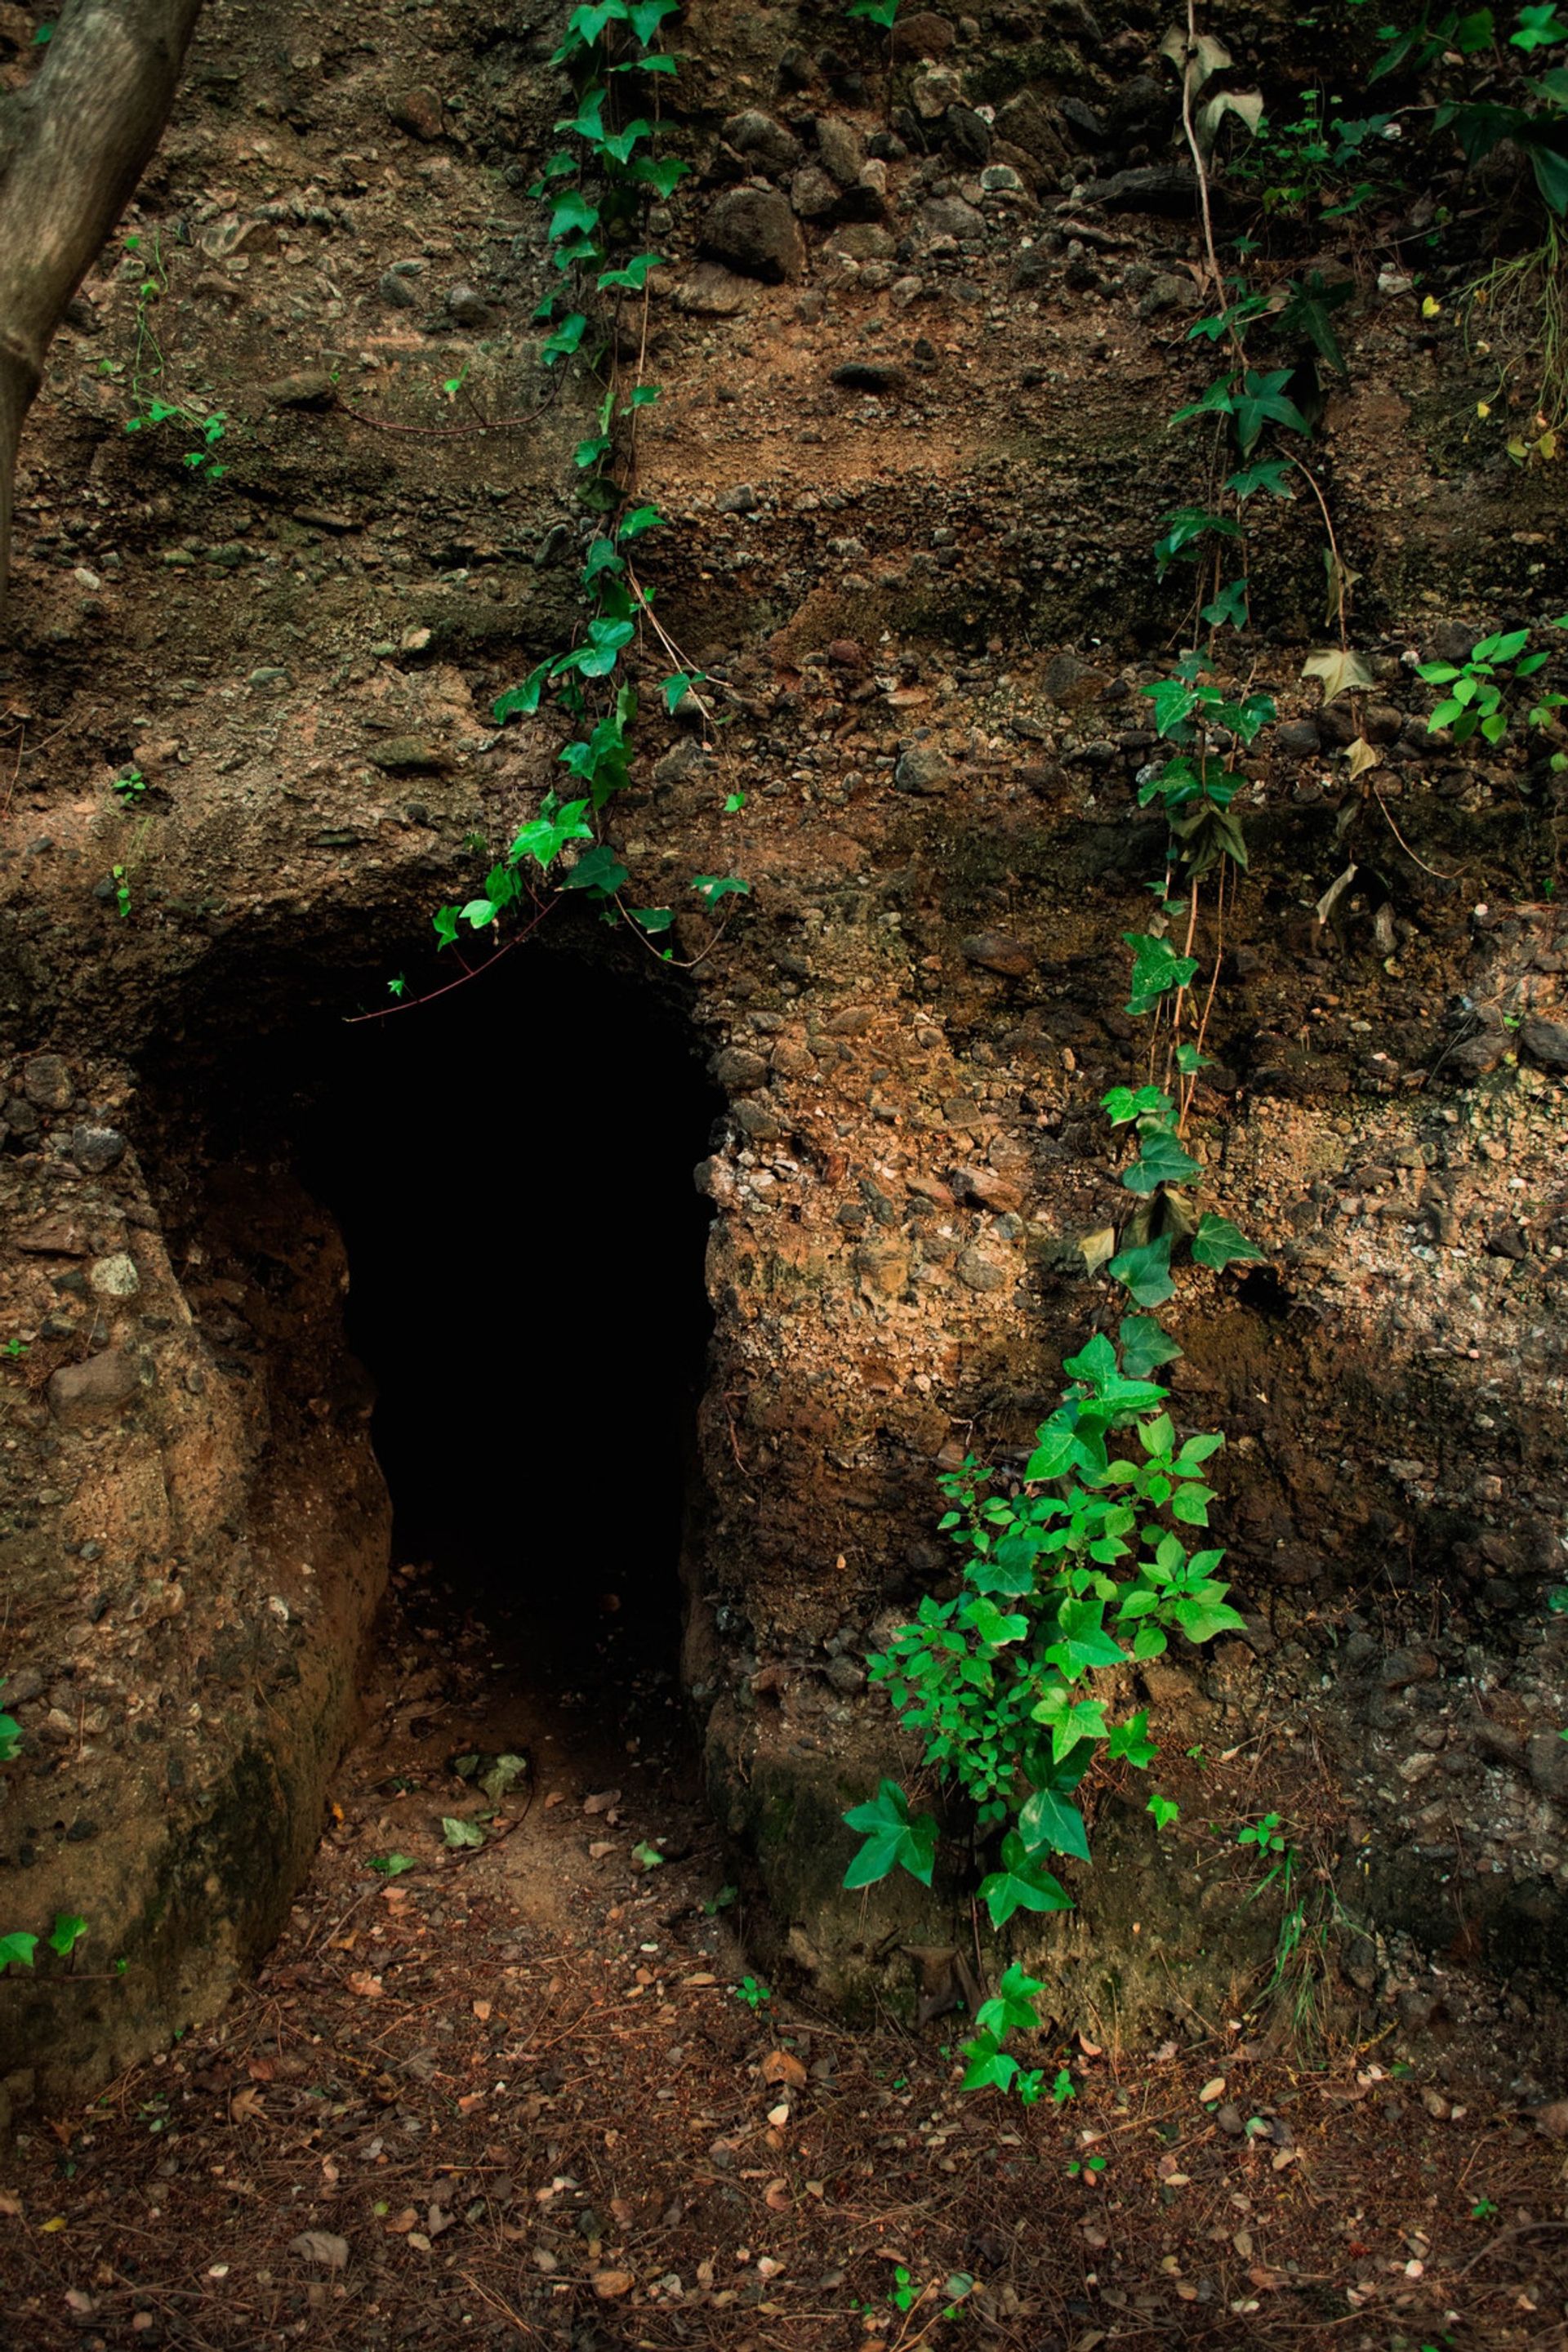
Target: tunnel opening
<point>509,1167</point>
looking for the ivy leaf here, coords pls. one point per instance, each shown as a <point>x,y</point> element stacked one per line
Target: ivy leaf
<point>1215,402</point>
<point>989,2067</point>
<point>16,1951</point>
<point>602,557</point>
<point>1021,1885</point>
<point>645,17</point>
<point>598,870</point>
<point>662,173</point>
<point>1218,1244</point>
<point>1341,672</point>
<point>675,689</point>
<point>1307,313</point>
<point>641,519</point>
<point>1162,1159</point>
<point>1008,1568</point>
<point>1200,1621</point>
<point>605,638</point>
<point>1146,1272</point>
<point>1262,400</point>
<point>393,1865</point>
<point>1271,474</point>
<point>1048,1824</point>
<point>521,700</point>
<point>546,835</point>
<point>652,918</point>
<point>459,1834</point>
<point>1011,2009</point>
<point>1166,1809</point>
<point>893,1841</point>
<point>574,212</point>
<point>714,886</point>
<point>568,335</point>
<point>1228,609</point>
<point>1083,1643</point>
<point>1156,967</point>
<point>1145,1346</point>
<point>67,1933</point>
<point>1129,1741</point>
<point>1095,1361</point>
<point>634,275</point>
<point>445,924</point>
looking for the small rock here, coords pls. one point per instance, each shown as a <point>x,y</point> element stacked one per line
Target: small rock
<point>1546,1042</point>
<point>924,34</point>
<point>466,305</point>
<point>738,1069</point>
<point>115,1276</point>
<point>998,951</point>
<point>987,1188</point>
<point>761,140</point>
<point>1168,292</point>
<point>968,134</point>
<point>862,241</point>
<point>922,768</point>
<point>313,388</point>
<point>711,292</point>
<point>869,376</point>
<point>934,90</point>
<point>1080,116</point>
<point>1161,188</point>
<point>1553,2120</point>
<point>754,230</point>
<point>418,111</point>
<point>950,216</point>
<point>1451,641</point>
<point>743,499</point>
<point>46,1082</point>
<point>88,1392</point>
<point>1298,737</point>
<point>407,755</point>
<point>395,288</point>
<point>840,149</point>
<point>978,1272</point>
<point>814,194</point>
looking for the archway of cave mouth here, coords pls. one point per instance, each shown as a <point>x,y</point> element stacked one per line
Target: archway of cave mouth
<point>510,1167</point>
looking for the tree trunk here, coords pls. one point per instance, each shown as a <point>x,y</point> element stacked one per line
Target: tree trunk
<point>73,144</point>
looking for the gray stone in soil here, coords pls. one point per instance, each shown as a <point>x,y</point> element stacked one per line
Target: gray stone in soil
<point>923,769</point>
<point>46,1082</point>
<point>399,291</point>
<point>711,292</point>
<point>754,231</point>
<point>82,1393</point>
<point>999,952</point>
<point>869,376</point>
<point>950,216</point>
<point>743,499</point>
<point>763,140</point>
<point>815,193</point>
<point>739,1070</point>
<point>840,150</point>
<point>1546,1042</point>
<point>466,305</point>
<point>94,1148</point>
<point>863,241</point>
<point>1298,737</point>
<point>968,134</point>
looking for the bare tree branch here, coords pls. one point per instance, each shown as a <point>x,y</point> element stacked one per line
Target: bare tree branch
<point>73,144</point>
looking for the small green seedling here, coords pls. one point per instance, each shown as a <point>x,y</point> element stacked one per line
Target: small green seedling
<point>1264,1834</point>
<point>1483,2210</point>
<point>1474,702</point>
<point>1085,2168</point>
<point>121,881</point>
<point>753,1992</point>
<point>66,1934</point>
<point>15,1349</point>
<point>393,1865</point>
<point>130,786</point>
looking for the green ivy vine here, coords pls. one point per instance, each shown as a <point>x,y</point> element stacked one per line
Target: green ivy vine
<point>597,187</point>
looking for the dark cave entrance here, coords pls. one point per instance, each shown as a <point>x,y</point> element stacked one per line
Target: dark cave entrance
<point>511,1166</point>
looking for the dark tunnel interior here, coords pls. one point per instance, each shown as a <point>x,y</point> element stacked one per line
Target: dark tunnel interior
<point>511,1166</point>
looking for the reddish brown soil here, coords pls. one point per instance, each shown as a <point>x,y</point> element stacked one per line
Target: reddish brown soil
<point>519,2086</point>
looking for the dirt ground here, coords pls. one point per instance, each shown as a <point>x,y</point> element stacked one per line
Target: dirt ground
<point>530,2093</point>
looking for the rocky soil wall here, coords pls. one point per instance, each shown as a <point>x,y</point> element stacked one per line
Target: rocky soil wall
<point>914,449</point>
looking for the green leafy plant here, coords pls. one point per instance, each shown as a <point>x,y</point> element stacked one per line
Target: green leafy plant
<point>753,1992</point>
<point>16,1951</point>
<point>1475,702</point>
<point>595,190</point>
<point>128,786</point>
<point>393,1865</point>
